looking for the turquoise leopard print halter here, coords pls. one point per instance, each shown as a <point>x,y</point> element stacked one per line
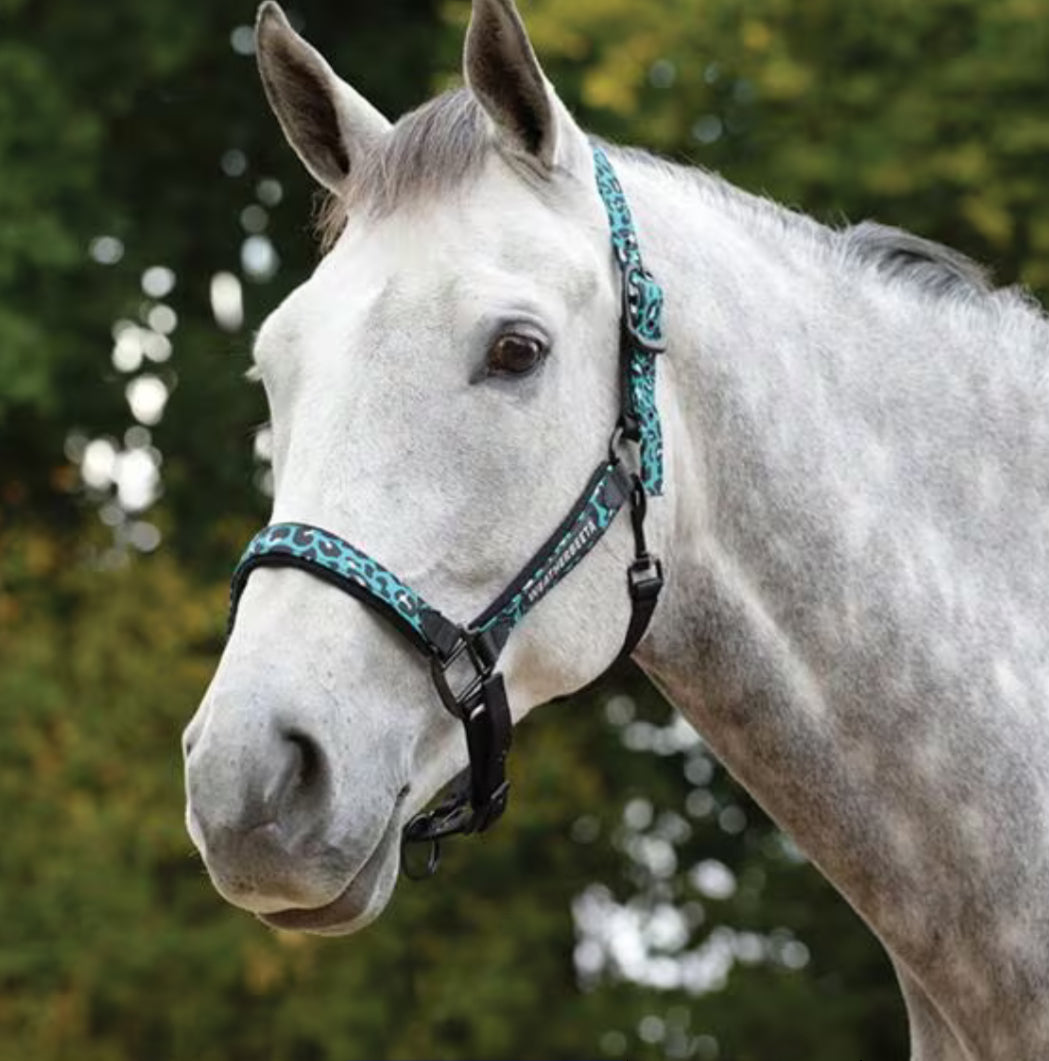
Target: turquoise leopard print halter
<point>479,796</point>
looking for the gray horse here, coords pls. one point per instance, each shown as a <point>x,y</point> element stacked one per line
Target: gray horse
<point>855,524</point>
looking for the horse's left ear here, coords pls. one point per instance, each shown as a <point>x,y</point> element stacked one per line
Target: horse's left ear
<point>328,124</point>
<point>504,74</point>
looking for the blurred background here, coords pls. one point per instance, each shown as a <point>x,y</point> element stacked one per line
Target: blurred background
<point>634,903</point>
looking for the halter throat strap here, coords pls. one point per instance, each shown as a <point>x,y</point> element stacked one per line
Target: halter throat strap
<point>463,657</point>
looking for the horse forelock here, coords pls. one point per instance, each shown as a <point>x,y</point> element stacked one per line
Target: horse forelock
<point>435,148</point>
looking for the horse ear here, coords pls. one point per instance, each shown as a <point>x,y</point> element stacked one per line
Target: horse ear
<point>503,73</point>
<point>324,120</point>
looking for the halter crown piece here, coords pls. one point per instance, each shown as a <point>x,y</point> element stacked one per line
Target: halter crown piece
<point>479,795</point>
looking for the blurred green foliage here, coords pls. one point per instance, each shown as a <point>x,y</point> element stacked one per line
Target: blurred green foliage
<point>115,120</point>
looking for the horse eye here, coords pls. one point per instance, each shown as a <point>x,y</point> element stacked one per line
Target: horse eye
<point>515,355</point>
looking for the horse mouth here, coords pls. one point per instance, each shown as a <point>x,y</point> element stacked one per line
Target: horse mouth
<point>359,903</point>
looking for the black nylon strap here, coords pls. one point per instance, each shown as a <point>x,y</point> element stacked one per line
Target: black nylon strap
<point>479,793</point>
<point>644,576</point>
<point>645,580</point>
<point>605,493</point>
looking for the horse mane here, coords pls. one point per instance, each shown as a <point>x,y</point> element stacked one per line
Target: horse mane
<point>937,269</point>
<point>891,252</point>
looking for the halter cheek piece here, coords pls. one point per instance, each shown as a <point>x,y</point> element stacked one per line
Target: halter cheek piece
<point>463,657</point>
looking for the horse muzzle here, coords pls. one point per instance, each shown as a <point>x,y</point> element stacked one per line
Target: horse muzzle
<point>260,807</point>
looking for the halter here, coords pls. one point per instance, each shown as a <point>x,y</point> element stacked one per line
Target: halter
<point>463,658</point>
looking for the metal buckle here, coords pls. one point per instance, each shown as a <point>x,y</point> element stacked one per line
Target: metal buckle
<point>624,443</point>
<point>455,700</point>
<point>643,306</point>
<point>645,576</point>
<point>451,818</point>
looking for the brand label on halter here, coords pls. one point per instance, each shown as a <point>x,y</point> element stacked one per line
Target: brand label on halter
<point>575,545</point>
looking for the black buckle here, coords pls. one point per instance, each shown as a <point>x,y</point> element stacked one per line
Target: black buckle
<point>455,701</point>
<point>643,309</point>
<point>645,576</point>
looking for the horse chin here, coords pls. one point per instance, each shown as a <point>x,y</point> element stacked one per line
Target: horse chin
<point>358,904</point>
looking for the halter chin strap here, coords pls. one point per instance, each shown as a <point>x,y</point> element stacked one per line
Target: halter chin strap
<point>463,657</point>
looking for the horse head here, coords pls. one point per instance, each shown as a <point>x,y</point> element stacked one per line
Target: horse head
<point>440,389</point>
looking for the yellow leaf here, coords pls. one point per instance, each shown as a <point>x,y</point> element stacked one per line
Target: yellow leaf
<point>785,79</point>
<point>889,178</point>
<point>756,36</point>
<point>988,218</point>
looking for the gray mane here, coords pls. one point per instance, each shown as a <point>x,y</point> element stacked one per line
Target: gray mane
<point>443,143</point>
<point>891,252</point>
<point>937,269</point>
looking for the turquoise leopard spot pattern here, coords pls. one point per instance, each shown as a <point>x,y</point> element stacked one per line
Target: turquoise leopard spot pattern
<point>325,550</point>
<point>644,304</point>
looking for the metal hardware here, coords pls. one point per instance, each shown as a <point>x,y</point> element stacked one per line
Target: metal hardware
<point>454,701</point>
<point>643,309</point>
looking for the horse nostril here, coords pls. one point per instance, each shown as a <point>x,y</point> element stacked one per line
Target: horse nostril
<point>309,762</point>
<point>268,787</point>
<point>298,800</point>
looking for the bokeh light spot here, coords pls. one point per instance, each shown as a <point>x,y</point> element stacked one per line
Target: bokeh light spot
<point>242,40</point>
<point>127,350</point>
<point>227,302</point>
<point>708,129</point>
<point>234,162</point>
<point>137,479</point>
<point>99,463</point>
<point>145,537</point>
<point>147,395</point>
<point>662,73</point>
<point>713,879</point>
<point>254,218</point>
<point>269,191</point>
<point>106,250</point>
<point>258,258</point>
<point>158,281</point>
<point>162,319</point>
<point>156,347</point>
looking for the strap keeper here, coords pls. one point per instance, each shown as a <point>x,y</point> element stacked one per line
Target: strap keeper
<point>488,645</point>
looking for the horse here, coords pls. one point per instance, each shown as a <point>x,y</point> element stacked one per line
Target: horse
<point>853,521</point>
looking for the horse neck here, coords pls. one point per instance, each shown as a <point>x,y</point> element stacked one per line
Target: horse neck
<point>840,638</point>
